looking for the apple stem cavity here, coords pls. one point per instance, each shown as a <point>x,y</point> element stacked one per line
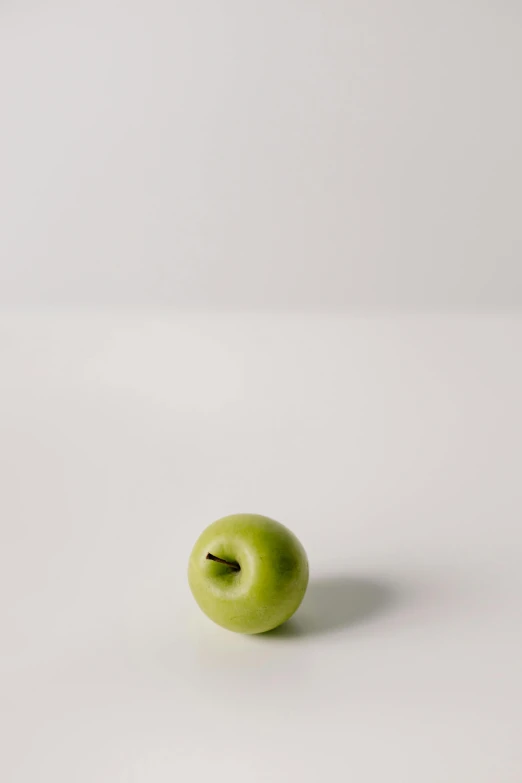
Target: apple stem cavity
<point>234,566</point>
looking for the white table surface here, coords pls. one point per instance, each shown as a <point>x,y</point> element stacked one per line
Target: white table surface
<point>390,445</point>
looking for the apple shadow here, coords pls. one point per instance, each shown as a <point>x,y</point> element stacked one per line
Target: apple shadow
<point>336,603</point>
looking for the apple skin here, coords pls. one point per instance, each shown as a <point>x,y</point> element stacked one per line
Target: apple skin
<point>270,584</point>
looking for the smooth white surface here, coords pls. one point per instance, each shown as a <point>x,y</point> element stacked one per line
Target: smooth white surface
<point>302,154</point>
<point>391,446</point>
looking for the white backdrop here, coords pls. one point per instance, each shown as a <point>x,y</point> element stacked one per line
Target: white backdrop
<point>318,154</point>
<point>307,159</point>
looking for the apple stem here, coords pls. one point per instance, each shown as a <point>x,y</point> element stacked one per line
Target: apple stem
<point>235,566</point>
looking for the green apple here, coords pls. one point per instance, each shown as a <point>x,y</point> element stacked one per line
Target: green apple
<point>248,573</point>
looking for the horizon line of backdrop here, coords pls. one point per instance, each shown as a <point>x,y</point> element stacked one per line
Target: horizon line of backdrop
<point>279,155</point>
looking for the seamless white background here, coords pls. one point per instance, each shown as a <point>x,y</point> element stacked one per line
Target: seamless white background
<point>256,155</point>
<point>196,200</point>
